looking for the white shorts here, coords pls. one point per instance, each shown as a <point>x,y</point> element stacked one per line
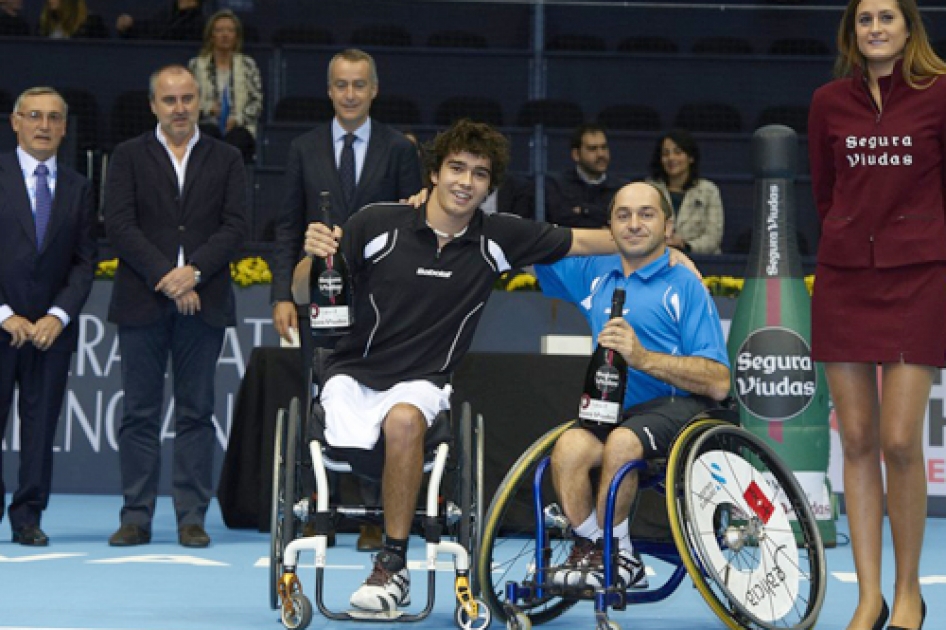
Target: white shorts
<point>353,412</point>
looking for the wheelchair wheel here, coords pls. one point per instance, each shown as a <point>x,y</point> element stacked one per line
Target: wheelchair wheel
<point>470,484</point>
<point>730,498</point>
<point>275,509</point>
<point>507,541</point>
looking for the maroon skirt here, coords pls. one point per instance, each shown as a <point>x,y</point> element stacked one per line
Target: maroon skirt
<point>880,315</point>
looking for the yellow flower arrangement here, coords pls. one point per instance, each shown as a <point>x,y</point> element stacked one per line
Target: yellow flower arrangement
<point>106,269</point>
<point>250,271</point>
<point>727,286</point>
<point>255,270</point>
<point>245,272</point>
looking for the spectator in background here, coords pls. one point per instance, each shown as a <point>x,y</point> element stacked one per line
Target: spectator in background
<point>697,205</point>
<point>231,92</point>
<point>580,197</point>
<point>65,19</point>
<point>48,243</point>
<point>183,20</point>
<point>11,22</point>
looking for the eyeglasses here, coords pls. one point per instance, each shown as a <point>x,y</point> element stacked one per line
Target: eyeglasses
<point>36,117</point>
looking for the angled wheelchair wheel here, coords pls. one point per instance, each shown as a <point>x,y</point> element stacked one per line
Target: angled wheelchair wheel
<point>276,544</point>
<point>507,542</point>
<point>730,500</point>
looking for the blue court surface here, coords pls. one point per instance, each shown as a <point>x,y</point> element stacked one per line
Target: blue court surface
<point>81,582</point>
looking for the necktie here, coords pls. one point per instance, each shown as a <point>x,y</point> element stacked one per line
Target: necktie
<point>44,203</point>
<point>346,167</point>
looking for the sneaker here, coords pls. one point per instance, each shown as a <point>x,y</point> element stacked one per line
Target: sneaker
<point>584,556</point>
<point>631,572</point>
<point>388,586</point>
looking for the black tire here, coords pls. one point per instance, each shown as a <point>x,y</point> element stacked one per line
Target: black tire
<point>507,541</point>
<point>747,561</point>
<point>293,493</point>
<point>275,509</point>
<point>465,437</point>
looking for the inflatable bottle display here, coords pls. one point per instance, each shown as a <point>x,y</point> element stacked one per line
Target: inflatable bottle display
<point>782,393</point>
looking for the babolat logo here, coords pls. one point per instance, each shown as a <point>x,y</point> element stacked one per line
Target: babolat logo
<point>775,377</point>
<point>330,283</point>
<point>607,379</point>
<point>433,273</point>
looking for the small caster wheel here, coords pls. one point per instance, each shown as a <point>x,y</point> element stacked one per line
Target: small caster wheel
<point>603,623</point>
<point>299,614</point>
<point>483,617</point>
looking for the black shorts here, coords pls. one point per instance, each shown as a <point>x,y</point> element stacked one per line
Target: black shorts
<point>657,422</point>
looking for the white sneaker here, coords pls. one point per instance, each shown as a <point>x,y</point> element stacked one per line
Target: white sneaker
<point>388,586</point>
<point>584,556</point>
<point>631,572</point>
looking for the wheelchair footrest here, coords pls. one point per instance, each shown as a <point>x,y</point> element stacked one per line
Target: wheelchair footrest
<point>367,615</point>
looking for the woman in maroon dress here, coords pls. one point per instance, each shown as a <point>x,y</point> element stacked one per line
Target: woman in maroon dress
<point>876,143</point>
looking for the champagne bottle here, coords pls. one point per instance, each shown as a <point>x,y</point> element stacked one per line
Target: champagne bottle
<point>782,393</point>
<point>606,379</point>
<point>330,287</point>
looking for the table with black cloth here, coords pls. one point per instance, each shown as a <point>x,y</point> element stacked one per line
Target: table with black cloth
<point>272,378</point>
<point>520,396</point>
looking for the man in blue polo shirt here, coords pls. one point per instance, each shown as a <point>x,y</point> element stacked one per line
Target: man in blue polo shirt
<point>671,337</point>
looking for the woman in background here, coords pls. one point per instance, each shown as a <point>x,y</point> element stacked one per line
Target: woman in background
<point>63,19</point>
<point>697,206</point>
<point>876,145</point>
<point>231,93</point>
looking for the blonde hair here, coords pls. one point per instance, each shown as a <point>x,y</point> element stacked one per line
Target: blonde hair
<point>208,46</point>
<point>921,64</point>
<point>41,91</point>
<point>69,17</point>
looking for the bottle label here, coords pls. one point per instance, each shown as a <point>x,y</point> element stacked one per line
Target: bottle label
<point>600,411</point>
<point>330,316</point>
<point>607,379</point>
<point>331,283</point>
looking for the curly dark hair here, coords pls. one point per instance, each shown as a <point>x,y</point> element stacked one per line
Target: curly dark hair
<point>466,136</point>
<point>683,139</point>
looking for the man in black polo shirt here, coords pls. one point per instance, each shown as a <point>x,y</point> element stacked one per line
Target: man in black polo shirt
<point>422,278</point>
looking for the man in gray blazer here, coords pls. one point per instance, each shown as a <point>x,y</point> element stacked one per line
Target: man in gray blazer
<point>176,214</point>
<point>358,161</point>
<point>47,225</point>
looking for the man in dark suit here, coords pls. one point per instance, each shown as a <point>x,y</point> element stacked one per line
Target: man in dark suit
<point>47,223</point>
<point>175,212</point>
<point>358,161</point>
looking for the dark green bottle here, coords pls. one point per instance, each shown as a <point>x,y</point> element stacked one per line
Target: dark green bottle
<point>782,393</point>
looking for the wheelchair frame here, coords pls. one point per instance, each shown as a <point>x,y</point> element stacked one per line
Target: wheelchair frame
<point>743,527</point>
<point>290,509</point>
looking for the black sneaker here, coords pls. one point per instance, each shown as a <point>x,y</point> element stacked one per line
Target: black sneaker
<point>387,587</point>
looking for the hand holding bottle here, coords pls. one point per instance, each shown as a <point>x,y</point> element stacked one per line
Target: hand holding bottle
<point>321,240</point>
<point>619,336</point>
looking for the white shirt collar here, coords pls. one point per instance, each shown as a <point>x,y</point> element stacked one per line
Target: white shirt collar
<point>164,141</point>
<point>28,163</point>
<point>363,132</point>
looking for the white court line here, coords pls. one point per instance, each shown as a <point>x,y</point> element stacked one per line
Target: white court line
<point>37,558</point>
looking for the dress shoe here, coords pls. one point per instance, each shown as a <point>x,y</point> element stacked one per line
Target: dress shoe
<point>882,617</point>
<point>130,535</point>
<point>193,536</point>
<point>922,617</point>
<point>369,538</point>
<point>31,536</point>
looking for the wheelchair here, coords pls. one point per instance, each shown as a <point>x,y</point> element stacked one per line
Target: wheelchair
<point>717,508</point>
<point>453,449</point>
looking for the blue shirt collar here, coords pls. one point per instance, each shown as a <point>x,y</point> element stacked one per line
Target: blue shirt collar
<point>646,272</point>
